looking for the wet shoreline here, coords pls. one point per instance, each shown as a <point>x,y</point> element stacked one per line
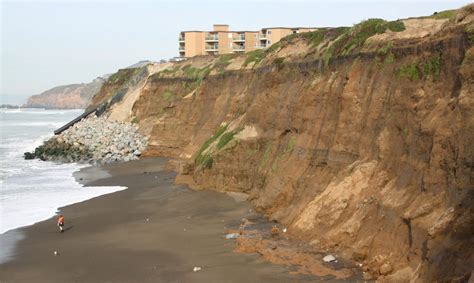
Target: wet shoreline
<point>152,231</point>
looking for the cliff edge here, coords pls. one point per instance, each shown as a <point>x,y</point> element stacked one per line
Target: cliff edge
<point>358,139</point>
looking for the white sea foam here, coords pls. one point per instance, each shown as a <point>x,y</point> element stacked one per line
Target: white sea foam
<point>32,190</point>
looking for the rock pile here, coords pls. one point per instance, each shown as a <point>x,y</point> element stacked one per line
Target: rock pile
<point>94,139</point>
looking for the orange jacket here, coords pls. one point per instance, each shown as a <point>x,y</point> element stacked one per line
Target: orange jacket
<point>61,220</point>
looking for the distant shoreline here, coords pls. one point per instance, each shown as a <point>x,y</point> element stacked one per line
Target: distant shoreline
<point>9,106</point>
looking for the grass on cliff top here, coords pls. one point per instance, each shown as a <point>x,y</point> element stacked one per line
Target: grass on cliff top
<point>223,61</point>
<point>197,74</point>
<point>355,37</point>
<point>447,14</point>
<point>123,76</point>
<point>116,84</point>
<point>254,56</point>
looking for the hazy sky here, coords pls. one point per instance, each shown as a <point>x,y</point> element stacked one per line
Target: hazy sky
<point>46,44</point>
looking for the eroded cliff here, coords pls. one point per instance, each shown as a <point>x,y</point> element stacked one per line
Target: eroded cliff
<point>74,96</point>
<point>359,139</point>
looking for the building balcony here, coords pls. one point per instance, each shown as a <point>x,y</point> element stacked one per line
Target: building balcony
<point>181,48</point>
<point>239,38</point>
<point>212,48</point>
<point>212,38</point>
<point>181,39</point>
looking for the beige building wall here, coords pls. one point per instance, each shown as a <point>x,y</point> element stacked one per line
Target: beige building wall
<point>251,41</point>
<point>274,35</point>
<point>223,41</point>
<point>193,43</point>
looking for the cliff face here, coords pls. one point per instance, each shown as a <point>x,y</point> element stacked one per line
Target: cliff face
<point>72,96</point>
<point>359,140</point>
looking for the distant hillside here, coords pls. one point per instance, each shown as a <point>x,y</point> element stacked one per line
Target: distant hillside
<point>71,96</point>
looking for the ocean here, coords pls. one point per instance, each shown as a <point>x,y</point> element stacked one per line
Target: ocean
<point>32,190</point>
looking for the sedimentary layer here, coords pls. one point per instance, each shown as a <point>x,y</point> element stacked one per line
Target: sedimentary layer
<point>358,139</point>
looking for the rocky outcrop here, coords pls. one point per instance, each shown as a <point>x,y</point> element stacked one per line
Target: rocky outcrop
<point>94,139</point>
<point>74,96</point>
<point>358,140</point>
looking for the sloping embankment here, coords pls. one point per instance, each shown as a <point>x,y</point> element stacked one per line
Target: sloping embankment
<point>357,140</point>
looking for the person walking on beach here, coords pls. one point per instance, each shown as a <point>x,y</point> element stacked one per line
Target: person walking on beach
<point>61,223</point>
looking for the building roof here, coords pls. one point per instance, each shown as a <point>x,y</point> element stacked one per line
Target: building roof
<point>229,31</point>
<point>291,28</point>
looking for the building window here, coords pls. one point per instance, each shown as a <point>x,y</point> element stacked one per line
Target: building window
<point>269,42</point>
<point>269,32</point>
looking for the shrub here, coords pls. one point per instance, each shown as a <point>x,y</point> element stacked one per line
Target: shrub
<point>254,56</point>
<point>227,137</point>
<point>390,58</point>
<point>432,67</point>
<point>315,37</point>
<point>448,14</point>
<point>207,161</point>
<point>224,61</point>
<point>197,74</point>
<point>409,71</point>
<point>396,26</point>
<point>201,158</point>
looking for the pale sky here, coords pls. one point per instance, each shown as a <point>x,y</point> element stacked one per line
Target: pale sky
<point>49,43</point>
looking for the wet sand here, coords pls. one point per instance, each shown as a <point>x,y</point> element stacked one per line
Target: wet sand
<point>154,231</point>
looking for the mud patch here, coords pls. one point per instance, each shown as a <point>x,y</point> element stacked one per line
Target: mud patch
<point>272,243</point>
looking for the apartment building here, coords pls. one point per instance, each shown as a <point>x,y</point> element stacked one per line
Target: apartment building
<point>222,41</point>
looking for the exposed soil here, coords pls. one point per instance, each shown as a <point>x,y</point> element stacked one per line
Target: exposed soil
<point>368,153</point>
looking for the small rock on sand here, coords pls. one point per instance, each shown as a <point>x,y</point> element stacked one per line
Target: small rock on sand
<point>232,236</point>
<point>196,269</point>
<point>329,258</point>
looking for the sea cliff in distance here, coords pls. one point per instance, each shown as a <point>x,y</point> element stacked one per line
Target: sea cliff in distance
<point>9,106</point>
<point>71,96</point>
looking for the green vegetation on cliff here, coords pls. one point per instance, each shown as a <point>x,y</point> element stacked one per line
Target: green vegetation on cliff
<point>227,137</point>
<point>355,37</point>
<point>254,57</point>
<point>430,68</point>
<point>205,160</point>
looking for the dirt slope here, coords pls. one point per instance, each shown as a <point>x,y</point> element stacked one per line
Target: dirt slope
<point>360,140</point>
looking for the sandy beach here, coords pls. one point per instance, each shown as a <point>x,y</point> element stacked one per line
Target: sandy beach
<point>154,231</point>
